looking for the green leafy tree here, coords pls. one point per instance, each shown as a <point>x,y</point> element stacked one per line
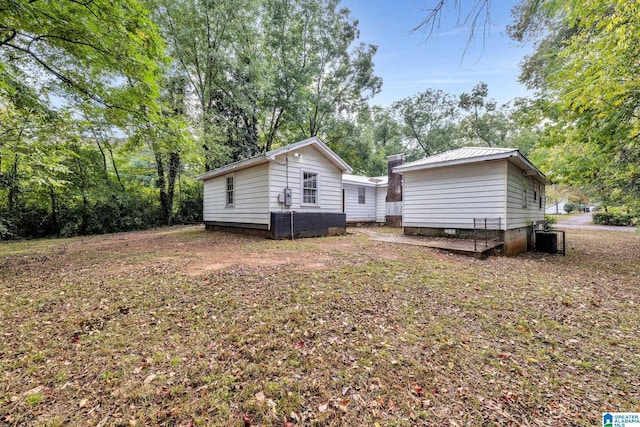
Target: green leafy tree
<point>428,121</point>
<point>585,62</point>
<point>106,51</point>
<point>483,123</point>
<point>316,69</point>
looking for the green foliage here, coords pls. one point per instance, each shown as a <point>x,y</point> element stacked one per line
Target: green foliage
<point>428,121</point>
<point>569,207</point>
<point>109,52</point>
<point>612,218</point>
<point>584,65</point>
<point>549,221</point>
<point>190,202</point>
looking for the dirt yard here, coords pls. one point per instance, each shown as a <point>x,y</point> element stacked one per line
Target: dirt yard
<point>185,327</point>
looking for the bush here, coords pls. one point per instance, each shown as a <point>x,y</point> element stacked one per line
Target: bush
<point>548,222</point>
<point>608,218</point>
<point>189,203</point>
<point>6,229</point>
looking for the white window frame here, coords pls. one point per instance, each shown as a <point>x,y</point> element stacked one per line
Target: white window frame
<point>231,192</point>
<point>364,195</point>
<point>302,188</point>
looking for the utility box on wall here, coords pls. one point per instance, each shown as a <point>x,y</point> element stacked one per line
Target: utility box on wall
<point>288,197</point>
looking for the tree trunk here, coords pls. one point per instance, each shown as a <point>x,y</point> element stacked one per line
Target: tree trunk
<point>13,185</point>
<point>174,168</point>
<point>54,211</point>
<point>167,184</point>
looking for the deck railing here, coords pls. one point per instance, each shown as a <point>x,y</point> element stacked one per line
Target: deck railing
<point>486,230</point>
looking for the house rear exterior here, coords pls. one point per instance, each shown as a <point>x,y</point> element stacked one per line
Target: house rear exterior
<point>364,198</point>
<point>294,191</point>
<point>443,194</point>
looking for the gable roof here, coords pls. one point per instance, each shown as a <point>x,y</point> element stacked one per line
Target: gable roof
<point>271,156</point>
<point>378,181</point>
<point>467,155</point>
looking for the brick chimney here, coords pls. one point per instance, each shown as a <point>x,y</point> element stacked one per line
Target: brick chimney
<point>393,217</point>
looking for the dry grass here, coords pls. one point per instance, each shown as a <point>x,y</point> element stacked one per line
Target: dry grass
<point>184,327</point>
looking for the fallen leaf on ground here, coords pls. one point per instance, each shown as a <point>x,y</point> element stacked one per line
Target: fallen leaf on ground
<point>34,390</point>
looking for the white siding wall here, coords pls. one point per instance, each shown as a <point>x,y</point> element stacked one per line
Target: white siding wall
<point>311,160</point>
<point>381,202</point>
<point>356,211</point>
<point>517,214</point>
<point>451,197</point>
<point>251,203</point>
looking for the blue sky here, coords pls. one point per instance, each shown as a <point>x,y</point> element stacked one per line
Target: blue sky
<point>409,63</point>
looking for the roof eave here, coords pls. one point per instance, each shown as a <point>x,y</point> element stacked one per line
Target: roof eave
<point>510,155</point>
<point>328,152</point>
<point>233,167</point>
<point>531,170</point>
<point>271,156</point>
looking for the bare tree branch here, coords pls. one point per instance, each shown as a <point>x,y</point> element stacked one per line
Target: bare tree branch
<point>478,18</point>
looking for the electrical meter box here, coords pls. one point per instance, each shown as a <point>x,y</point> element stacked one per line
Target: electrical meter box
<point>288,198</point>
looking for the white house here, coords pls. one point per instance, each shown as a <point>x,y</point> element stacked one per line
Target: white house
<point>556,208</point>
<point>443,194</point>
<point>364,198</point>
<point>291,191</point>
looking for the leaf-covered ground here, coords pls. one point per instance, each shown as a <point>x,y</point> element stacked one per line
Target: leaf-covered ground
<point>185,327</point>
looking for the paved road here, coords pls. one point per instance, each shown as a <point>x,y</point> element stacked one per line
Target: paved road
<point>581,219</point>
<point>583,222</point>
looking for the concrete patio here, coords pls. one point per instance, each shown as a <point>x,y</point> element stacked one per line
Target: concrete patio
<point>480,249</point>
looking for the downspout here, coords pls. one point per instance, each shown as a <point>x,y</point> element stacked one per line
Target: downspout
<point>287,180</point>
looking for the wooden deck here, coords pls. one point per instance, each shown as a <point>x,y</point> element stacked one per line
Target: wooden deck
<point>458,246</point>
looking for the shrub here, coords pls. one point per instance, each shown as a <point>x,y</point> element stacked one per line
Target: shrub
<point>189,203</point>
<point>608,218</point>
<point>548,222</point>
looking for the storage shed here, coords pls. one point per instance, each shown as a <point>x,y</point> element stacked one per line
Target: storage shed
<point>291,191</point>
<point>499,188</point>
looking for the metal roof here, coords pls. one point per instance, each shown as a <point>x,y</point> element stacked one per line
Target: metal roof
<point>468,155</point>
<point>365,180</point>
<point>271,155</point>
<point>459,154</point>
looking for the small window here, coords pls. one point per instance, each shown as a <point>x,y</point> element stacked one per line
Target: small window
<point>362,195</point>
<point>535,191</point>
<point>229,191</point>
<point>309,188</point>
<point>524,192</point>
